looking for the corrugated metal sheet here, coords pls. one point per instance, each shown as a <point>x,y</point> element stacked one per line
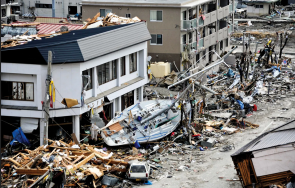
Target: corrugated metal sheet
<point>63,53</point>
<point>107,42</point>
<point>274,139</point>
<point>49,20</point>
<point>289,125</point>
<point>45,28</point>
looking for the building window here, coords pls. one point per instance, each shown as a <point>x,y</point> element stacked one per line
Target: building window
<point>133,62</point>
<point>39,5</point>
<point>73,9</point>
<point>113,70</point>
<point>128,15</point>
<point>156,15</point>
<point>123,66</point>
<point>17,91</point>
<point>226,42</point>
<point>137,93</point>
<point>85,80</point>
<point>258,6</point>
<point>221,45</point>
<point>105,73</point>
<point>104,12</point>
<point>184,15</point>
<point>157,39</point>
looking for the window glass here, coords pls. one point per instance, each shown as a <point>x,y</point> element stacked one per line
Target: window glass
<point>114,69</point>
<point>154,39</point>
<point>107,72</point>
<point>123,69</point>
<point>138,169</point>
<point>153,15</point>
<point>17,91</point>
<point>159,39</point>
<point>102,13</point>
<point>29,91</point>
<point>99,74</point>
<point>159,16</point>
<point>86,80</point>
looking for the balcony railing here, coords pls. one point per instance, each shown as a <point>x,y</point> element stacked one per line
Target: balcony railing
<point>231,10</point>
<point>189,24</point>
<point>194,46</point>
<point>230,29</point>
<point>201,43</point>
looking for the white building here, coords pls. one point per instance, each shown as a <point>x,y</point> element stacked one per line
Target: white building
<point>259,7</point>
<point>114,57</point>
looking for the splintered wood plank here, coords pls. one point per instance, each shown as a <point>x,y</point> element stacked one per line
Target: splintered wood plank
<point>36,172</point>
<point>14,162</point>
<point>75,138</point>
<point>84,161</point>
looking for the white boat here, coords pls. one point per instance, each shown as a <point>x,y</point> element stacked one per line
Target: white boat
<point>143,122</point>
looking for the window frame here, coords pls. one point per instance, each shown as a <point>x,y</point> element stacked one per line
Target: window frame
<point>156,16</point>
<point>90,83</point>
<point>156,40</point>
<point>134,63</point>
<point>128,17</point>
<point>123,73</point>
<point>17,82</point>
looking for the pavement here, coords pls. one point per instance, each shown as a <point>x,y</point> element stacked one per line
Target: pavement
<point>212,168</point>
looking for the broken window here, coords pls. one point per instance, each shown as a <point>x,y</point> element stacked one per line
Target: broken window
<point>85,79</point>
<point>114,70</point>
<point>17,90</point>
<point>128,15</point>
<point>258,6</point>
<point>133,62</point>
<point>123,68</point>
<point>156,15</point>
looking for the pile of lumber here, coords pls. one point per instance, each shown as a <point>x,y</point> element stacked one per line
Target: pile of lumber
<point>110,20</point>
<point>77,161</point>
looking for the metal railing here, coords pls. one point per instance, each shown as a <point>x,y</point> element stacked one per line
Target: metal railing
<point>185,24</point>
<point>201,21</point>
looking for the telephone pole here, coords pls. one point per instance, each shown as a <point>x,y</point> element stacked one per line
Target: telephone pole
<point>47,98</point>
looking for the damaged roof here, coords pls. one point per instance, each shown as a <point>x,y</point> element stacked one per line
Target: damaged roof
<point>79,45</point>
<point>282,135</point>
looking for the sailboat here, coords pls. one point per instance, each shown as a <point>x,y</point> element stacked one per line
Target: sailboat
<point>143,122</point>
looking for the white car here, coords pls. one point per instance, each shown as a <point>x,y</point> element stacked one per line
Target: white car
<point>139,171</point>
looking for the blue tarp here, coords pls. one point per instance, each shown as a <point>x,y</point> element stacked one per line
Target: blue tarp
<point>230,73</point>
<point>18,135</point>
<point>241,104</point>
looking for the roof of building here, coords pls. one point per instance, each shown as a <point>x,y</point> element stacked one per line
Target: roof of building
<point>79,45</point>
<point>45,28</point>
<point>282,135</point>
<point>142,3</point>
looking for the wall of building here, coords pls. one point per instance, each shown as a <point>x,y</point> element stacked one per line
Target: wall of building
<point>252,11</point>
<point>169,28</point>
<point>61,7</point>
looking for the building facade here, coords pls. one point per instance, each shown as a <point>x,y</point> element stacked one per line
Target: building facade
<point>260,7</point>
<point>202,25</point>
<point>43,8</point>
<point>113,60</point>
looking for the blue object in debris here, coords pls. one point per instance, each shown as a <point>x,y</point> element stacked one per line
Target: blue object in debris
<point>148,183</point>
<point>19,136</point>
<point>201,149</point>
<point>145,127</point>
<point>241,104</point>
<point>136,144</point>
<point>139,118</point>
<point>230,73</point>
<point>134,128</point>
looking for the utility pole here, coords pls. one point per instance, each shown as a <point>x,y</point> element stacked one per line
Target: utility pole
<point>47,99</point>
<point>53,8</point>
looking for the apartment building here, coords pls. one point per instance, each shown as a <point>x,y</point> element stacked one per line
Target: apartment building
<point>114,58</point>
<point>201,25</point>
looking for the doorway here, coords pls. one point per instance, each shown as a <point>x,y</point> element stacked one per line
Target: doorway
<point>72,10</point>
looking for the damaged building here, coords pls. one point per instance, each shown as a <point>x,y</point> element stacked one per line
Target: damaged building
<point>199,26</point>
<point>268,159</point>
<point>260,7</point>
<point>100,69</point>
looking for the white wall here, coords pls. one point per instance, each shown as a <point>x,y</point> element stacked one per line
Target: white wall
<point>252,11</point>
<point>68,82</point>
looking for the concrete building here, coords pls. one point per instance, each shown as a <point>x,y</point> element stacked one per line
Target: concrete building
<point>43,8</point>
<point>10,10</point>
<point>201,24</point>
<point>259,7</point>
<point>114,57</point>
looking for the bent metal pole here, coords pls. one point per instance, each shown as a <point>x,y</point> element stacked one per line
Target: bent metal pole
<point>206,68</point>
